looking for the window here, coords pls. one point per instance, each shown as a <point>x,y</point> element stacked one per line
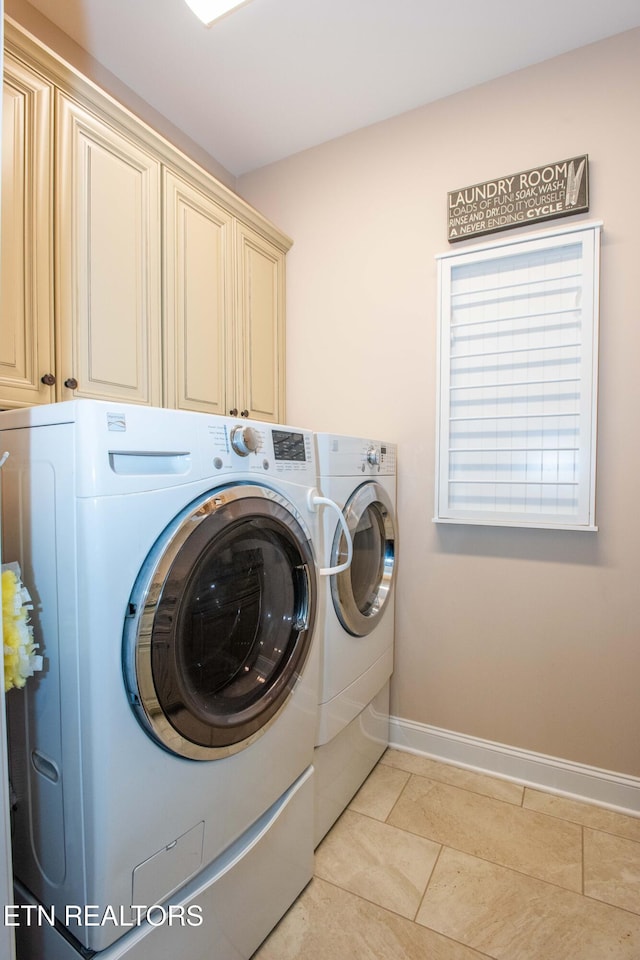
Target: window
<point>518,339</point>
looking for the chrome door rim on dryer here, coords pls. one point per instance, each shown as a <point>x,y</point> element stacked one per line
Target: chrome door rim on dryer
<point>361,600</point>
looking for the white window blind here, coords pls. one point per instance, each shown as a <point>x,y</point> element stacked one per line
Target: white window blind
<point>518,342</point>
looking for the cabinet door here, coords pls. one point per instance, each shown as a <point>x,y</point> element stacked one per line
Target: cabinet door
<point>260,351</point>
<point>108,265</point>
<point>26,317</point>
<point>198,298</point>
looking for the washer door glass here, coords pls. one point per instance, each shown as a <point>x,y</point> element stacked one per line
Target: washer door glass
<point>221,622</point>
<point>362,592</point>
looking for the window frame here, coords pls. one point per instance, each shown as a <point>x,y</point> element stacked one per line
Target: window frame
<point>582,516</point>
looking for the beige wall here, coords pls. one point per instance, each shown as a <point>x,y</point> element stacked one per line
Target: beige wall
<point>525,637</point>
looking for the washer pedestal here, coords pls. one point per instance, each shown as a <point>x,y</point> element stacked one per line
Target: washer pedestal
<point>225,912</point>
<point>343,764</point>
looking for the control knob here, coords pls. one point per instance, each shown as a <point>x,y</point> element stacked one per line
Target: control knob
<point>245,440</point>
<point>373,457</point>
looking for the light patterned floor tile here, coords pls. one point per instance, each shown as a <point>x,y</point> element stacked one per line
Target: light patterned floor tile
<point>379,792</point>
<point>598,818</point>
<point>501,869</point>
<point>456,776</point>
<point>612,869</point>
<point>327,923</point>
<point>374,860</point>
<point>510,916</point>
<point>531,842</point>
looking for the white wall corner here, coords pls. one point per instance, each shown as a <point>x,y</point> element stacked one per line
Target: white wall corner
<point>563,777</point>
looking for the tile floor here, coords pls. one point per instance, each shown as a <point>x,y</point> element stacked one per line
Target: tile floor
<point>431,862</point>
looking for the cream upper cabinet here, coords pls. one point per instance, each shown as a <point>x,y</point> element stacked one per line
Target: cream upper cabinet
<point>223,309</point>
<point>27,363</point>
<point>198,298</point>
<point>260,353</point>
<point>129,273</point>
<point>108,260</point>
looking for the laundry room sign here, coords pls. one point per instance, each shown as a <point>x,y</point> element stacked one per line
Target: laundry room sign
<point>542,193</point>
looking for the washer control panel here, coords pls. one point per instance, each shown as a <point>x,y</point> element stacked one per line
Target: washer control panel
<point>259,448</point>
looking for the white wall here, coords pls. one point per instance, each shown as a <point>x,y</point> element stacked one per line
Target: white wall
<point>528,638</point>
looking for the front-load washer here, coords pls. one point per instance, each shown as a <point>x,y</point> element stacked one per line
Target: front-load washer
<point>165,750</point>
<point>356,658</point>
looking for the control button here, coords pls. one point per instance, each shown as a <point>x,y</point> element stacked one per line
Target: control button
<point>218,464</point>
<point>265,464</point>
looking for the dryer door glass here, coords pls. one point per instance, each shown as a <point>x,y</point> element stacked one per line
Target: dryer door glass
<point>225,625</point>
<point>361,593</point>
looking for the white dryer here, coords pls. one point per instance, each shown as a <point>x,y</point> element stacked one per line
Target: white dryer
<point>356,658</point>
<point>162,760</point>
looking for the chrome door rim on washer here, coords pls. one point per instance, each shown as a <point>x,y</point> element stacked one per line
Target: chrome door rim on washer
<point>370,496</point>
<point>210,519</point>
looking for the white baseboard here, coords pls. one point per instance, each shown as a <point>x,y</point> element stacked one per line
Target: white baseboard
<point>578,781</point>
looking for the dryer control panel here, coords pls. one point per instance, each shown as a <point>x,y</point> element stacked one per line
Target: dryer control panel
<point>379,458</point>
<point>340,456</point>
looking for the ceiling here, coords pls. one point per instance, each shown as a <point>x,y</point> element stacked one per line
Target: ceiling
<point>278,76</point>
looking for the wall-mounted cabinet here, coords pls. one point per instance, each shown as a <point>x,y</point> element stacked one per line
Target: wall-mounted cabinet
<point>128,272</point>
<point>259,347</point>
<point>27,356</point>
<point>223,309</point>
<point>198,298</point>
<point>107,243</point>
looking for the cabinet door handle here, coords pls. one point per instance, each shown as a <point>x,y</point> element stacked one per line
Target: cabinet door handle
<point>48,379</point>
<point>244,413</point>
<point>71,383</point>
<point>233,412</point>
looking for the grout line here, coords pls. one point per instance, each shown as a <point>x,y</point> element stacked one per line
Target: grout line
<point>397,800</point>
<point>360,896</point>
<point>424,892</point>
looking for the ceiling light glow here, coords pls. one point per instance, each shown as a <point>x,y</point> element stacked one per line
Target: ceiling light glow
<point>211,10</point>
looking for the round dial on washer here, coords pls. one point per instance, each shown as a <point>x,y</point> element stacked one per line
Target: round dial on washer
<point>373,457</point>
<point>245,440</point>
